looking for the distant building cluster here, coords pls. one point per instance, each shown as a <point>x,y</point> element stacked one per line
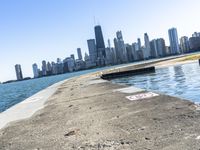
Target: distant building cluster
<point>101,55</point>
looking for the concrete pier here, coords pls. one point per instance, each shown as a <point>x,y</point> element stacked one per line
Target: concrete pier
<point>88,113</point>
<point>137,71</point>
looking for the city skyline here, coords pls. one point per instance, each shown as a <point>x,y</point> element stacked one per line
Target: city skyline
<point>100,55</point>
<point>24,43</point>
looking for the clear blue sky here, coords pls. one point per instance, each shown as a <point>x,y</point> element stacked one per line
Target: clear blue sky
<point>36,30</point>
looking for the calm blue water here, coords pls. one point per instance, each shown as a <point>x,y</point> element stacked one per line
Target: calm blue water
<point>13,93</point>
<point>182,81</point>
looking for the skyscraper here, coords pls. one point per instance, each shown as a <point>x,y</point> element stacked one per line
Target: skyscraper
<point>100,45</point>
<point>92,50</point>
<point>147,46</point>
<point>158,48</point>
<point>184,44</point>
<point>69,64</point>
<point>120,48</point>
<point>110,55</point>
<point>59,66</point>
<point>49,69</point>
<point>161,47</point>
<point>35,70</point>
<point>117,51</point>
<point>139,44</point>
<point>135,49</point>
<point>79,54</point>
<point>154,48</point>
<point>44,68</point>
<point>54,68</point>
<point>173,39</point>
<point>18,71</point>
<point>130,53</point>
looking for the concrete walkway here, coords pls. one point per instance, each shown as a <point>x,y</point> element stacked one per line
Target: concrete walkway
<point>87,113</point>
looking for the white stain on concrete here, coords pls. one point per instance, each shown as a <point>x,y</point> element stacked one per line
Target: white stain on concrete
<point>142,96</point>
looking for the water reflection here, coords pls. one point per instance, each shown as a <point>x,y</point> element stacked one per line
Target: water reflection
<point>182,81</point>
<point>179,80</point>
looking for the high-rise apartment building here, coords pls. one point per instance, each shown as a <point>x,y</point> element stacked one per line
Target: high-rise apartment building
<point>59,66</point>
<point>79,54</point>
<point>92,50</point>
<point>139,44</point>
<point>161,47</point>
<point>35,70</point>
<point>158,48</point>
<point>130,53</point>
<point>120,48</point>
<point>44,68</point>
<point>49,68</point>
<point>69,64</point>
<point>18,71</point>
<point>184,44</point>
<point>154,48</point>
<point>54,68</point>
<point>135,49</point>
<point>173,39</point>
<point>147,46</point>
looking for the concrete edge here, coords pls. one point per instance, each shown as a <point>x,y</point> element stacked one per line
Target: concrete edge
<point>29,106</point>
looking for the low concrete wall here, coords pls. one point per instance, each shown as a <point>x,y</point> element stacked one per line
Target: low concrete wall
<point>113,75</point>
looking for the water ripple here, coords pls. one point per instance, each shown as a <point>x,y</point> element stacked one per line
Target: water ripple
<point>181,81</point>
<point>13,93</point>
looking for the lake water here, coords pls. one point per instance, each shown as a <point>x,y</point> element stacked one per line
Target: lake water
<point>181,81</point>
<point>13,93</point>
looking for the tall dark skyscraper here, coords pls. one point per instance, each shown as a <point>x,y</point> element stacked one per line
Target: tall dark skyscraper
<point>18,72</point>
<point>147,46</point>
<point>100,45</point>
<point>79,54</point>
<point>139,44</point>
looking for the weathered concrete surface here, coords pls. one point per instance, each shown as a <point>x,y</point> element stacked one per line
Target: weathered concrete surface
<point>87,113</point>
